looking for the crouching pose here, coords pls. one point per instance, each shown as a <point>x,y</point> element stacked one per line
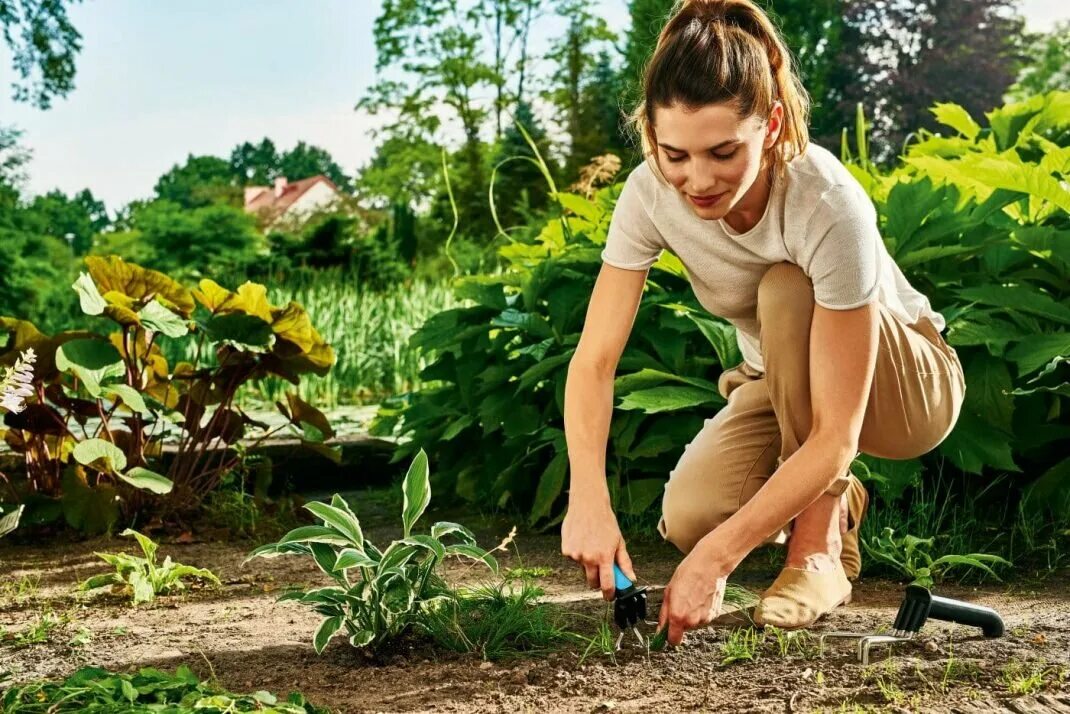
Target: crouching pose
<point>841,354</point>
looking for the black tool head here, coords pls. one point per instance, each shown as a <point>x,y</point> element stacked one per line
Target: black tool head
<point>629,607</point>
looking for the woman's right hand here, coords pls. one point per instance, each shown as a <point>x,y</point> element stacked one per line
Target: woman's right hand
<point>591,537</point>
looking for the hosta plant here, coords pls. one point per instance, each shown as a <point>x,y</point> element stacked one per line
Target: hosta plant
<point>142,577</point>
<point>104,402</point>
<point>377,594</point>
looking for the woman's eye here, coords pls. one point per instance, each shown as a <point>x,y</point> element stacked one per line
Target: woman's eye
<point>725,157</point>
<point>676,159</point>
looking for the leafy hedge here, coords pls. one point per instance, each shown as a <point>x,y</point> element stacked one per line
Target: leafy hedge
<point>977,221</point>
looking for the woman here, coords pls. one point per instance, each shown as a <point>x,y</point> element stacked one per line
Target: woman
<point>841,354</point>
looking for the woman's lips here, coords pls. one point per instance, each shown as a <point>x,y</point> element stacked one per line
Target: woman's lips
<point>706,201</point>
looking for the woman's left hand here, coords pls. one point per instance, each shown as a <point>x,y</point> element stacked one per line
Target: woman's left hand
<point>695,593</point>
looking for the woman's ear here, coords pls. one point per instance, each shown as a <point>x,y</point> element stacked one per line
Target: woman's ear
<point>774,125</point>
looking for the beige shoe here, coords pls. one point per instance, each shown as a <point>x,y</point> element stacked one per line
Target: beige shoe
<point>857,504</point>
<point>797,598</point>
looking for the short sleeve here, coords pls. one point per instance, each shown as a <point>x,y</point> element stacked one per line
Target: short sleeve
<point>633,243</point>
<point>842,249</point>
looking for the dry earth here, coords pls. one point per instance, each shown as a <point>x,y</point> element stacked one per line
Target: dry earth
<point>250,642</point>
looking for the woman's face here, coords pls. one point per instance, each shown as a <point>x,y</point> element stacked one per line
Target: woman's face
<point>710,156</point>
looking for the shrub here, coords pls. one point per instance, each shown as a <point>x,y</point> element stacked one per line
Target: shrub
<point>978,222</point>
<point>104,403</point>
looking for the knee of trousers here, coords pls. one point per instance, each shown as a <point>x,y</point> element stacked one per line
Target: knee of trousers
<point>687,516</point>
<point>685,520</point>
<point>785,297</point>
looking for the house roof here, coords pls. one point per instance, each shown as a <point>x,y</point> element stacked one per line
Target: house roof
<point>265,199</point>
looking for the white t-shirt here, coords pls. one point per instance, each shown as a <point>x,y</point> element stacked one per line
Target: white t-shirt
<point>818,217</point>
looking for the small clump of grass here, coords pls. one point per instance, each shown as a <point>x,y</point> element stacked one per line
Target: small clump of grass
<point>501,621</point>
<point>37,632</point>
<point>1025,678</point>
<point>23,588</point>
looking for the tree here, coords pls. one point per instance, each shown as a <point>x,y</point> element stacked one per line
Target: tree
<point>648,17</point>
<point>13,156</point>
<point>813,31</point>
<point>43,45</point>
<point>573,58</point>
<point>405,169</point>
<point>1047,63</point>
<point>260,164</point>
<point>905,57</point>
<point>305,160</point>
<point>436,44</point>
<point>603,110</point>
<point>75,220</point>
<point>178,239</point>
<point>255,164</point>
<point>201,181</point>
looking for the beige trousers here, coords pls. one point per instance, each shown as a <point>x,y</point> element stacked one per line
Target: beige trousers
<point>914,402</point>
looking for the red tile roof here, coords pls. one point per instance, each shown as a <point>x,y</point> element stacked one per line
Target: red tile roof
<point>266,200</point>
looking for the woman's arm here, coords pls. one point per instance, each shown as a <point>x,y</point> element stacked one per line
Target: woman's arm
<point>590,534</point>
<point>843,357</point>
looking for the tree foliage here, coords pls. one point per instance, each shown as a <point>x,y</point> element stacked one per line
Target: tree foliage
<point>43,45</point>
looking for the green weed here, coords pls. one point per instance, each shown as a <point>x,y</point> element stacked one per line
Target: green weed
<point>92,689</point>
<point>500,622</point>
<point>142,576</point>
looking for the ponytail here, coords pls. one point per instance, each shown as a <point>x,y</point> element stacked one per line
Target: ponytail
<point>713,51</point>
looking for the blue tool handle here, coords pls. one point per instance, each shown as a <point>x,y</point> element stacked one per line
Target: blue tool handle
<point>620,580</point>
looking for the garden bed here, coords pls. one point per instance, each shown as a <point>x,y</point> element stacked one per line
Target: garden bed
<point>239,634</point>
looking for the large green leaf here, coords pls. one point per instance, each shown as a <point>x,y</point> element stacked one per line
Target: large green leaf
<point>343,521</point>
<point>640,495</point>
<point>245,332</point>
<point>89,509</point>
<point>129,396</point>
<point>416,490</point>
<point>957,118</point>
<point>670,398</point>
<point>113,274</point>
<point>100,455</point>
<point>647,378</point>
<point>1034,352</point>
<point>327,629</point>
<point>550,485</point>
<point>974,444</point>
<point>315,534</point>
<point>1051,491</point>
<point>988,387</point>
<point>156,317</point>
<point>91,361</point>
<point>147,480</point>
<point>722,337</point>
<point>1019,297</point>
<point>88,296</point>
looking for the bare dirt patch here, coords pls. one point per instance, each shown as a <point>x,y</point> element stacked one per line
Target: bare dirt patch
<point>249,641</point>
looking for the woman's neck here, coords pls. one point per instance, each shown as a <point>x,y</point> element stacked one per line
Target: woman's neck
<point>751,207</point>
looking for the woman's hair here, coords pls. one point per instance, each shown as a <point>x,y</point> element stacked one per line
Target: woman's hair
<point>713,51</point>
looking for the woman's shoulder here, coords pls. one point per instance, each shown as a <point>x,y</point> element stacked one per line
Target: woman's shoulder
<point>642,186</point>
<point>819,181</point>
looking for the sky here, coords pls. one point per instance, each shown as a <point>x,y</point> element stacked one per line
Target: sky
<point>158,80</point>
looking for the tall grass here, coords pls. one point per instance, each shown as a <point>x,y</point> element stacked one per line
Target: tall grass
<point>369,331</point>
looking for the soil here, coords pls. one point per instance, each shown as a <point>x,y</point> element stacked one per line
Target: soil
<point>239,634</point>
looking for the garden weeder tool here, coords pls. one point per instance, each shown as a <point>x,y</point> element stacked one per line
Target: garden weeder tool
<point>918,606</point>
<point>629,605</point>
